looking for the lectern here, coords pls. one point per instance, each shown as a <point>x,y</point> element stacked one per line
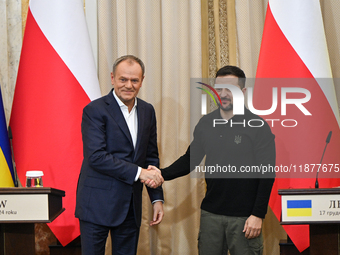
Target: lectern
<point>20,208</point>
<point>320,208</point>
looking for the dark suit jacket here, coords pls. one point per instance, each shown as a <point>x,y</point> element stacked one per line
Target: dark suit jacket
<point>106,182</point>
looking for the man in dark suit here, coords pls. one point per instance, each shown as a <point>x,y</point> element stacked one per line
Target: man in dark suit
<point>119,143</point>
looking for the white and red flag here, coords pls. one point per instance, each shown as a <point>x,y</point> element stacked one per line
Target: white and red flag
<point>294,52</point>
<point>56,79</point>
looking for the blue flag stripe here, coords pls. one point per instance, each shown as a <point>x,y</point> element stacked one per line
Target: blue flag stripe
<point>4,140</point>
<point>299,203</point>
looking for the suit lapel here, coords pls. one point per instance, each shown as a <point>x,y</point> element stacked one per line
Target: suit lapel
<point>140,117</point>
<point>117,115</point>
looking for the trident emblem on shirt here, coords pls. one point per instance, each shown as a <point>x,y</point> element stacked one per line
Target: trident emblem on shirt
<point>237,139</point>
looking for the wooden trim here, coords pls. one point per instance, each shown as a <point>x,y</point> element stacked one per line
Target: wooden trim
<point>217,33</point>
<point>232,34</point>
<point>308,191</point>
<point>204,38</point>
<point>24,11</point>
<point>309,222</point>
<point>41,190</point>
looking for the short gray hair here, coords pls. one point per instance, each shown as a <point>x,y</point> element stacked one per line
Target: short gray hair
<point>130,58</point>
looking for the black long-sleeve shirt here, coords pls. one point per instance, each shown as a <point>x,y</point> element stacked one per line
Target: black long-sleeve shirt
<point>238,145</point>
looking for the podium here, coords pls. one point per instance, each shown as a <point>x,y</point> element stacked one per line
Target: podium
<point>320,208</point>
<point>20,208</point>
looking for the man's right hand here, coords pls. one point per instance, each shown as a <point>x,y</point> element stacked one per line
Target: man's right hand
<point>151,177</point>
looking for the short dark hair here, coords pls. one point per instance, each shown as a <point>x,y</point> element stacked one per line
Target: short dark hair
<point>233,70</point>
<point>130,58</point>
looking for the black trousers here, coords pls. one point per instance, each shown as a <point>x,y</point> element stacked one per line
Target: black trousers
<point>124,237</point>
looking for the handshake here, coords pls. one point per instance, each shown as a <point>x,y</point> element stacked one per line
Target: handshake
<point>151,177</point>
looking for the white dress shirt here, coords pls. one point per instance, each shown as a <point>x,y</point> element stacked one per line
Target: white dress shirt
<point>131,121</point>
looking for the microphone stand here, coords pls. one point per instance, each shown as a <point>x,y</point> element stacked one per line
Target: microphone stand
<point>317,173</point>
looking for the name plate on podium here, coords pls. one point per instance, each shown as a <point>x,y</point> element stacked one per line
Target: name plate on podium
<point>306,206</point>
<point>30,204</point>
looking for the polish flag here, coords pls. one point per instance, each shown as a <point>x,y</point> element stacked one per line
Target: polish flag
<point>294,54</point>
<point>56,79</point>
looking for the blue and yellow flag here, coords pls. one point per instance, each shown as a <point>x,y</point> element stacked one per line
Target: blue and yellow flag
<point>299,208</point>
<point>6,165</point>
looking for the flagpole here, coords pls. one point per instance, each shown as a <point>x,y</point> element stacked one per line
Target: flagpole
<point>10,136</point>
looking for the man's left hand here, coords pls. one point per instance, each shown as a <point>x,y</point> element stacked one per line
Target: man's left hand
<point>158,213</point>
<point>252,227</point>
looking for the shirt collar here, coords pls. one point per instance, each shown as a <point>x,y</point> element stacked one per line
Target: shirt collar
<point>120,103</point>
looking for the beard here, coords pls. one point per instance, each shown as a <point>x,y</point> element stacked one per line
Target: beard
<point>228,107</point>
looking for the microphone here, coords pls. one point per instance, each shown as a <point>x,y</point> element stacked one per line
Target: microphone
<point>10,136</point>
<point>317,173</point>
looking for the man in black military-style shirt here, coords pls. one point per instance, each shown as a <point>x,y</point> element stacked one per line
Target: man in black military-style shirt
<point>236,201</point>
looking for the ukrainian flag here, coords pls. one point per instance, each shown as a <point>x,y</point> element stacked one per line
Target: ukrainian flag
<point>296,208</point>
<point>6,165</point>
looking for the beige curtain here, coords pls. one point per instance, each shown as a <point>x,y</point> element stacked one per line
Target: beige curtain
<point>166,36</point>
<point>331,17</point>
<point>10,49</point>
